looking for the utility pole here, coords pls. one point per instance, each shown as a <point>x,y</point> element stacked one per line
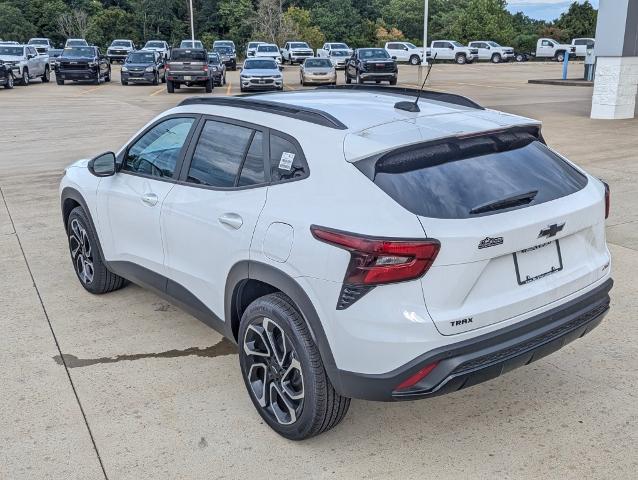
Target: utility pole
<point>192,24</point>
<point>425,37</point>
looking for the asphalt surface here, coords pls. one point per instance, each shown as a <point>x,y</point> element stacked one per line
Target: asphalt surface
<point>151,393</point>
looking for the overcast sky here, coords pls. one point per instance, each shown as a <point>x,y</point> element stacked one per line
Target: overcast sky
<point>543,9</point>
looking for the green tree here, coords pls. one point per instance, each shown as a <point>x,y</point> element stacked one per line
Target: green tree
<point>112,23</point>
<point>14,25</point>
<point>579,20</point>
<point>483,20</point>
<point>304,29</point>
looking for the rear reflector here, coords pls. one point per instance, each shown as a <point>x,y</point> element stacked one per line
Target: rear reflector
<point>377,261</point>
<point>417,377</point>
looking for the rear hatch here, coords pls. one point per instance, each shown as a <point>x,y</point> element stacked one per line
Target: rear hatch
<point>519,226</point>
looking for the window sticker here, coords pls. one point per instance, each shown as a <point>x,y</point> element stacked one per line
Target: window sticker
<point>286,161</point>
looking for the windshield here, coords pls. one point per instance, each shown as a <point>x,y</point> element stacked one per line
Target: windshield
<point>253,44</point>
<point>493,44</point>
<point>318,63</point>
<point>79,52</point>
<point>267,48</point>
<point>411,45</point>
<point>75,43</point>
<point>338,53</point>
<point>121,43</point>
<point>339,46</point>
<point>456,44</point>
<point>188,55</point>
<point>189,44</point>
<point>260,65</point>
<point>370,53</point>
<point>140,57</point>
<point>38,41</point>
<point>11,51</point>
<point>222,49</point>
<point>213,58</point>
<point>223,43</point>
<point>299,45</point>
<point>154,45</point>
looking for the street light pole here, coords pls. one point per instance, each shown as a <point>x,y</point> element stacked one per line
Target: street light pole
<point>192,24</point>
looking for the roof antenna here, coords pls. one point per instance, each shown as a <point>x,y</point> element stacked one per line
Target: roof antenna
<point>414,106</point>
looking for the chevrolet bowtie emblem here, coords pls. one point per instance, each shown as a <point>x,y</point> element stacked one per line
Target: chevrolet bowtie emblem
<point>551,230</point>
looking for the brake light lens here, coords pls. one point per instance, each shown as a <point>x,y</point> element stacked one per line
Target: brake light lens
<point>607,199</point>
<point>377,261</point>
<point>417,377</point>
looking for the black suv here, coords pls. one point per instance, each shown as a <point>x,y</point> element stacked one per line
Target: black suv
<point>6,75</point>
<point>144,66</point>
<point>82,63</point>
<point>371,65</point>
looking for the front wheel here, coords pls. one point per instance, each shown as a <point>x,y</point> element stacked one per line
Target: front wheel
<point>461,59</point>
<point>59,81</point>
<point>88,264</point>
<point>415,60</point>
<point>9,84</point>
<point>47,75</point>
<point>359,79</point>
<point>560,57</point>
<point>156,79</point>
<point>393,81</point>
<point>496,58</point>
<point>25,77</point>
<point>348,79</point>
<point>283,371</point>
<point>107,77</point>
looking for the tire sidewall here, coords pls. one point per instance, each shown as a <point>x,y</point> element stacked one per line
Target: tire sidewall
<point>263,308</point>
<point>99,269</point>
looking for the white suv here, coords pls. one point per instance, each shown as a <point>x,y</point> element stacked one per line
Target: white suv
<point>345,260</point>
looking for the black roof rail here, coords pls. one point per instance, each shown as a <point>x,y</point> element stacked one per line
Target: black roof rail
<point>306,114</point>
<point>410,92</point>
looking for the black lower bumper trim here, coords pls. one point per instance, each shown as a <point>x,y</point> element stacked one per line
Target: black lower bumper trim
<point>482,358</point>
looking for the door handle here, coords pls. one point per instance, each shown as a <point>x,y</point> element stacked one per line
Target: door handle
<point>149,199</point>
<point>231,220</point>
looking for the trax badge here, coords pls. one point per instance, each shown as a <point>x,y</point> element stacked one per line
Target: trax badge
<point>490,242</point>
<point>551,230</point>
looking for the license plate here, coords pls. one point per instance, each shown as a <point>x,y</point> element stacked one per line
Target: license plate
<point>537,262</point>
<point>188,77</point>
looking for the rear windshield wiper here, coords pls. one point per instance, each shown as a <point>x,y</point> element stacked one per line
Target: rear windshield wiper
<point>508,202</point>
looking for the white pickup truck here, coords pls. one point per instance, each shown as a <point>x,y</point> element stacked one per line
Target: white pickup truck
<point>582,44</point>
<point>405,52</point>
<point>492,51</point>
<point>550,48</point>
<point>324,52</point>
<point>26,63</point>
<point>453,50</point>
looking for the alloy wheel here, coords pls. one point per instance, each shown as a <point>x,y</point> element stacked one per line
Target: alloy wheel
<point>273,371</point>
<point>81,252</point>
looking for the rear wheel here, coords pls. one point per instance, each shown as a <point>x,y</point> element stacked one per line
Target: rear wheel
<point>519,57</point>
<point>348,79</point>
<point>170,86</point>
<point>359,79</point>
<point>85,254</point>
<point>209,85</point>
<point>283,371</point>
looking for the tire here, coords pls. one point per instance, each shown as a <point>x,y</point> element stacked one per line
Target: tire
<point>97,80</point>
<point>47,75</point>
<point>496,58</point>
<point>88,264</point>
<point>177,86</point>
<point>9,84</point>
<point>348,79</point>
<point>155,79</point>
<point>25,78</point>
<point>124,82</point>
<point>59,81</point>
<point>224,79</point>
<point>393,81</point>
<point>359,80</point>
<point>304,403</point>
<point>164,78</point>
<point>519,58</point>
<point>461,59</point>
<point>560,57</point>
<point>415,60</point>
<point>209,85</point>
<point>170,86</point>
<point>107,77</point>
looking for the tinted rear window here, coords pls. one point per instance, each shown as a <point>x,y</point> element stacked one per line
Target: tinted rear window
<point>449,179</point>
<point>189,55</point>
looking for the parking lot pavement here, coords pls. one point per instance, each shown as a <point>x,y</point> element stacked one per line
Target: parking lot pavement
<point>153,393</point>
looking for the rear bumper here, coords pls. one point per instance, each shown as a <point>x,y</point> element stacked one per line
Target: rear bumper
<point>190,78</point>
<point>482,358</point>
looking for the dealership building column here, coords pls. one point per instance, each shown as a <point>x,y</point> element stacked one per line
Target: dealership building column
<point>616,82</point>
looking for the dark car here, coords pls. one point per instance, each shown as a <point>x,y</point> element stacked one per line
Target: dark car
<point>371,65</point>
<point>188,66</point>
<point>82,63</point>
<point>217,68</point>
<point>227,55</point>
<point>144,66</point>
<point>6,75</point>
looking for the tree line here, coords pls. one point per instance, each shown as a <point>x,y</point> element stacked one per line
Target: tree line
<point>357,22</point>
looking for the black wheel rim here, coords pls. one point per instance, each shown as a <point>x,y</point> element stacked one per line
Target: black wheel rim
<point>273,372</point>
<point>81,252</point>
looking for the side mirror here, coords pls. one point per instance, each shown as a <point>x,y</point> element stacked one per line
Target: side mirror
<point>451,47</point>
<point>31,55</point>
<point>488,47</point>
<point>103,165</point>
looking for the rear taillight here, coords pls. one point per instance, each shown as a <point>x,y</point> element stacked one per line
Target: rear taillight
<point>607,199</point>
<point>377,261</point>
<point>417,377</point>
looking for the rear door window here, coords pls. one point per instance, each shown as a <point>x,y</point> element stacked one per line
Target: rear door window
<point>287,161</point>
<point>450,179</point>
